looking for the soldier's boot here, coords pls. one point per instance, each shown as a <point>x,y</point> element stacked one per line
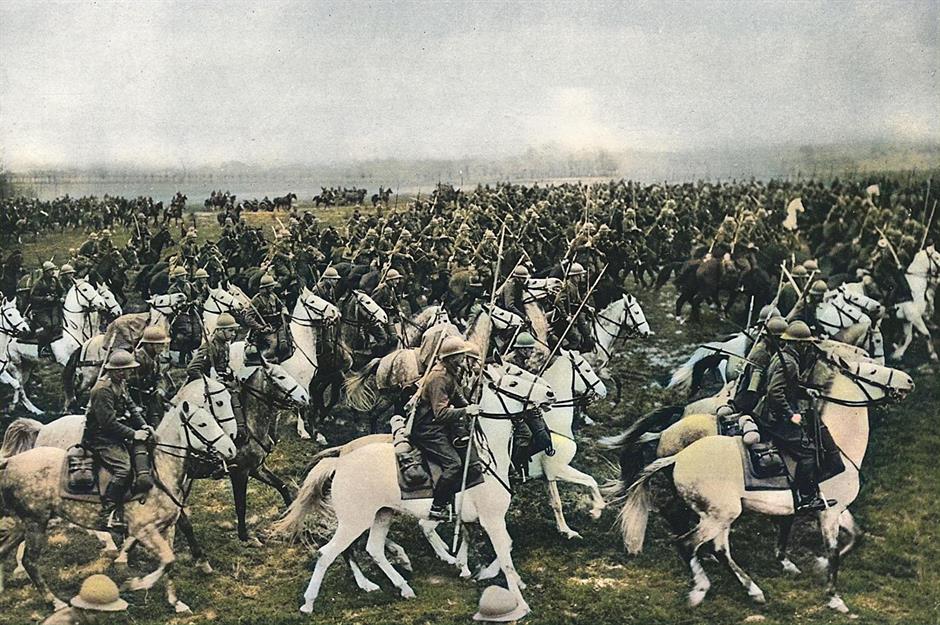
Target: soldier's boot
<point>111,515</point>
<point>143,472</point>
<point>541,436</point>
<point>807,497</point>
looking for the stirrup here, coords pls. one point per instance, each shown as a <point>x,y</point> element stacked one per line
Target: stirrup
<point>439,514</point>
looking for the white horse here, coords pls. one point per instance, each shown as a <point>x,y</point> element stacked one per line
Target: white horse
<point>852,317</point>
<point>310,312</point>
<point>83,302</point>
<point>621,318</point>
<point>708,475</point>
<point>83,365</point>
<point>413,329</point>
<point>365,492</point>
<point>30,483</point>
<point>574,382</point>
<point>727,352</point>
<point>923,277</point>
<point>12,325</point>
<point>222,300</point>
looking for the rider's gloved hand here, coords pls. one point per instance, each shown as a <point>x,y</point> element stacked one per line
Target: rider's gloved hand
<point>472,410</point>
<point>796,418</point>
<point>141,435</point>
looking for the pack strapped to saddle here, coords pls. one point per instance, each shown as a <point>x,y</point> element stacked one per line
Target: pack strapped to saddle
<point>81,470</point>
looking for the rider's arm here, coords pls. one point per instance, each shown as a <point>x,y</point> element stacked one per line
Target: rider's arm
<point>440,401</point>
<point>102,409</point>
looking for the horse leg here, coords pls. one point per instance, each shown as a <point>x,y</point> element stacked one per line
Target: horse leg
<point>301,427</point>
<point>784,524</point>
<point>495,526</point>
<point>921,327</point>
<point>706,530</point>
<point>184,525</point>
<point>429,528</point>
<point>375,547</point>
<point>723,552</point>
<point>12,540</point>
<point>150,537</point>
<point>362,581</point>
<point>347,531</point>
<point>239,481</point>
<point>463,554</point>
<point>35,541</point>
<point>900,348</point>
<point>266,476</point>
<point>554,499</point>
<point>829,526</point>
<point>855,532</point>
<point>569,474</point>
<point>398,554</point>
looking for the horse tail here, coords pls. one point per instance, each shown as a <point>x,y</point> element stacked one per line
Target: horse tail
<point>645,430</point>
<point>68,375</point>
<point>20,436</point>
<point>636,510</point>
<point>310,500</point>
<point>330,452</point>
<point>362,387</point>
<point>682,377</point>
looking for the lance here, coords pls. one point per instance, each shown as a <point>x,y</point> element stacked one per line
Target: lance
<point>802,296</point>
<point>107,355</point>
<point>725,352</point>
<point>927,197</point>
<point>476,384</point>
<point>927,224</point>
<point>890,246</point>
<point>750,312</point>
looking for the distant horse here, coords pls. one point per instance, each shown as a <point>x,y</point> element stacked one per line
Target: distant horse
<point>286,202</point>
<point>381,196</point>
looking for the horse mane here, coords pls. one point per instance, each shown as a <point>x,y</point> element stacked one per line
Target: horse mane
<point>539,324</point>
<point>479,333</point>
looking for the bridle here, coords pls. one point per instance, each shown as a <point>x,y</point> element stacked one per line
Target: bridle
<point>9,327</point>
<point>208,396</point>
<point>860,381</point>
<point>313,312</point>
<point>576,400</point>
<point>223,306</point>
<point>624,329</point>
<point>281,398</point>
<point>502,394</point>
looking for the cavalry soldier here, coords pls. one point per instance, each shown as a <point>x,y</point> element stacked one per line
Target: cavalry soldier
<point>388,295</point>
<point>109,429</point>
<point>326,287</point>
<point>514,291</point>
<point>524,353</point>
<point>567,302</point>
<point>186,327</point>
<point>89,249</point>
<point>146,386</point>
<point>45,299</point>
<point>805,309</point>
<point>752,384</point>
<point>213,355</point>
<point>66,278</point>
<point>105,245</point>
<point>200,288</point>
<point>439,420</point>
<point>189,250</point>
<point>788,294</point>
<point>271,309</point>
<point>788,416</point>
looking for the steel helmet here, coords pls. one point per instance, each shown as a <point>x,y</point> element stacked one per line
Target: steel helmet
<point>454,346</point>
<point>121,359</point>
<point>520,272</point>
<point>498,605</point>
<point>797,331</point>
<point>48,266</point>
<point>799,272</point>
<point>811,265</point>
<point>819,287</point>
<point>66,269</point>
<point>93,236</point>
<point>99,593</point>
<point>393,275</point>
<point>267,281</point>
<point>767,312</point>
<point>177,271</point>
<point>524,340</point>
<point>104,234</point>
<point>226,322</point>
<point>724,411</point>
<point>577,269</point>
<point>331,274</point>
<point>154,334</point>
<point>201,274</point>
<point>776,325</point>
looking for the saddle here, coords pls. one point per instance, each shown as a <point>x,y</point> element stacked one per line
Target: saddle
<point>767,468</point>
<point>417,476</point>
<point>84,479</point>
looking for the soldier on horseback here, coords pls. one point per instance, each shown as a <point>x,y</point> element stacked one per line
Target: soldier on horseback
<point>146,387</point>
<point>514,291</point>
<point>189,251</point>
<point>789,417</point>
<point>567,302</point>
<point>388,295</point>
<point>186,327</point>
<point>109,430</point>
<point>752,385</point>
<point>66,277</point>
<point>272,311</point>
<point>439,420</point>
<point>213,355</point>
<point>530,434</point>
<point>45,300</point>
<point>805,309</point>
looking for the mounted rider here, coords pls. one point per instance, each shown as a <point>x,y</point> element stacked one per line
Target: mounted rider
<point>580,336</point>
<point>388,295</point>
<point>109,429</point>
<point>66,277</point>
<point>439,421</point>
<point>146,387</point>
<point>514,291</point>
<point>186,328</point>
<point>270,339</point>
<point>805,309</point>
<point>189,251</point>
<point>789,417</point>
<point>752,385</point>
<point>530,434</point>
<point>213,356</point>
<point>200,286</point>
<point>45,300</point>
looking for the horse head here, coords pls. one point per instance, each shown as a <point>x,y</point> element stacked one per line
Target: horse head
<point>111,305</point>
<point>202,432</point>
<point>375,312</point>
<point>631,316</point>
<point>504,319</point>
<point>513,391</point>
<point>12,322</point>
<point>860,383</point>
<point>311,308</point>
<point>287,390</point>
<point>868,305</point>
<point>168,303</point>
<point>585,383</point>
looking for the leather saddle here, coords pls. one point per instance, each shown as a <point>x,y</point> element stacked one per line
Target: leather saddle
<point>84,479</point>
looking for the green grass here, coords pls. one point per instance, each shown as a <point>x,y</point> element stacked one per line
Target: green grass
<point>893,577</point>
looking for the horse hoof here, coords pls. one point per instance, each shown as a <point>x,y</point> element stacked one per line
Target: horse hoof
<point>836,603</point>
<point>204,567</point>
<point>596,513</point>
<point>756,594</point>
<point>465,573</point>
<point>307,608</point>
<point>369,586</point>
<point>407,592</point>
<point>822,564</point>
<point>789,568</point>
<point>321,440</point>
<point>182,608</point>
<point>572,535</point>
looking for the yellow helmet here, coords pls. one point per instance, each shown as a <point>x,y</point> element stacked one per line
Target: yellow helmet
<point>99,593</point>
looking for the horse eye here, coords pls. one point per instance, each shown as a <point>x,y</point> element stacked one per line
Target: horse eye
<point>202,425</point>
<point>513,384</point>
<point>218,403</point>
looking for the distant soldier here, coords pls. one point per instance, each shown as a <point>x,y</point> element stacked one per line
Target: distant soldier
<point>186,331</point>
<point>146,387</point>
<point>189,250</point>
<point>213,357</point>
<point>45,299</point>
<point>268,337</point>
<point>388,295</point>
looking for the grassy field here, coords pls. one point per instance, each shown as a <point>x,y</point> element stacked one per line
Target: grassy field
<point>894,577</point>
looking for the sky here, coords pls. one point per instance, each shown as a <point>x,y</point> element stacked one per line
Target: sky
<point>171,84</point>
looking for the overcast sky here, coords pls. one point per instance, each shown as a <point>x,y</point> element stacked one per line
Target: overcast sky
<point>184,83</point>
